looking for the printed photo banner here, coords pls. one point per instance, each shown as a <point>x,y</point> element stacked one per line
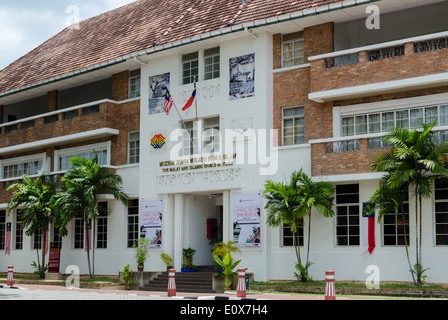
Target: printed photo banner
<point>242,77</point>
<point>157,91</point>
<point>151,222</point>
<point>246,220</point>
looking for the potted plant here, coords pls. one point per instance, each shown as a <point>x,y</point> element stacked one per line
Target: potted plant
<point>141,253</point>
<point>126,276</point>
<point>188,265</point>
<point>228,264</point>
<point>167,259</point>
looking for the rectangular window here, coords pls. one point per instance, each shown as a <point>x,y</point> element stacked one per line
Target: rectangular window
<point>441,211</point>
<point>190,139</point>
<point>293,126</point>
<point>134,147</point>
<point>133,223</point>
<point>37,240</point>
<point>288,238</point>
<point>412,118</point>
<point>17,170</point>
<point>395,225</point>
<point>57,238</point>
<point>18,233</point>
<point>101,229</point>
<point>293,49</point>
<point>79,234</point>
<point>347,215</point>
<point>64,161</point>
<point>134,84</point>
<point>190,68</point>
<point>211,136</point>
<point>212,63</point>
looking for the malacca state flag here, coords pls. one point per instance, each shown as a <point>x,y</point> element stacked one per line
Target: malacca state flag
<point>191,100</point>
<point>368,228</point>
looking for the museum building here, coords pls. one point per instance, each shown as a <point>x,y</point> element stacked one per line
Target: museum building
<point>196,103</point>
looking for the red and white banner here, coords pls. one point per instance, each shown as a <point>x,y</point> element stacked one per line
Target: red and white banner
<point>8,239</point>
<point>368,228</point>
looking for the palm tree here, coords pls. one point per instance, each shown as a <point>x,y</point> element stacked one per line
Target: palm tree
<point>416,161</point>
<point>33,197</point>
<point>391,200</point>
<point>81,185</point>
<point>290,203</point>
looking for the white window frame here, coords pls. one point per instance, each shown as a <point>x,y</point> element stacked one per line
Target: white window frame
<point>21,160</point>
<point>293,118</point>
<point>131,140</point>
<point>213,64</point>
<point>82,149</point>
<point>292,41</point>
<point>136,77</point>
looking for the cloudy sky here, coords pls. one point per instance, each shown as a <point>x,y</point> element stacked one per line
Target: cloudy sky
<point>25,24</point>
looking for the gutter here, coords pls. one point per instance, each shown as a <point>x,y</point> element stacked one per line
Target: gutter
<point>246,27</point>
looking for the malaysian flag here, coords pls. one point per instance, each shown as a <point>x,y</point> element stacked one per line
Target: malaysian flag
<point>168,102</point>
<point>8,239</point>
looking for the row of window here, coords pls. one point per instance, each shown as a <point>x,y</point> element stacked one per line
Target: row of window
<point>412,118</point>
<point>34,167</point>
<point>79,238</point>
<point>394,227</point>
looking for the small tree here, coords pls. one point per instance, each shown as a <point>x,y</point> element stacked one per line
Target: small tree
<point>416,161</point>
<point>34,198</point>
<point>388,200</point>
<point>290,203</point>
<point>81,185</point>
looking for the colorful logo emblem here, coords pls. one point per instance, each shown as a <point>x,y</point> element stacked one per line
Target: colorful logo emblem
<point>158,141</point>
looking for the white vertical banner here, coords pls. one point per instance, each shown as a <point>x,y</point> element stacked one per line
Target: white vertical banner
<point>246,220</point>
<point>151,222</point>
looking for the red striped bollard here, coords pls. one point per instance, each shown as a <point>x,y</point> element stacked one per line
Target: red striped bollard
<point>171,283</point>
<point>10,278</point>
<point>241,289</point>
<point>330,291</point>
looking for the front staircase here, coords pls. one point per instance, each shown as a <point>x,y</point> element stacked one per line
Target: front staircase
<point>197,282</point>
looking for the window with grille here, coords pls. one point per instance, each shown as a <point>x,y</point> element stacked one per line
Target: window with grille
<point>212,63</point>
<point>190,68</point>
<point>347,215</point>
<point>288,237</point>
<point>293,126</point>
<point>133,223</point>
<point>293,49</point>
<point>441,211</point>
<point>134,84</point>
<point>101,228</point>
<point>134,147</point>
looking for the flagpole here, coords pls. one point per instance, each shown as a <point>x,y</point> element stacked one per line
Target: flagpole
<point>183,123</point>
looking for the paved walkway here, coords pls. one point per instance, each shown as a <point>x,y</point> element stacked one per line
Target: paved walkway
<point>46,292</point>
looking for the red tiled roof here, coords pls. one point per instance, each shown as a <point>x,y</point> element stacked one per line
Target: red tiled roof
<point>137,27</point>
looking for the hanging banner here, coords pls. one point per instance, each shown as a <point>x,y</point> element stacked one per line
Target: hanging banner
<point>246,220</point>
<point>242,77</point>
<point>8,239</point>
<point>151,222</point>
<point>368,228</point>
<point>157,91</point>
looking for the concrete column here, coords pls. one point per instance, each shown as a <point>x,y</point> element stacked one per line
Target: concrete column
<point>227,216</point>
<point>179,210</point>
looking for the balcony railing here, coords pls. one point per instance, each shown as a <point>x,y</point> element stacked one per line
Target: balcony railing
<point>65,122</point>
<point>385,67</point>
<point>353,154</point>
